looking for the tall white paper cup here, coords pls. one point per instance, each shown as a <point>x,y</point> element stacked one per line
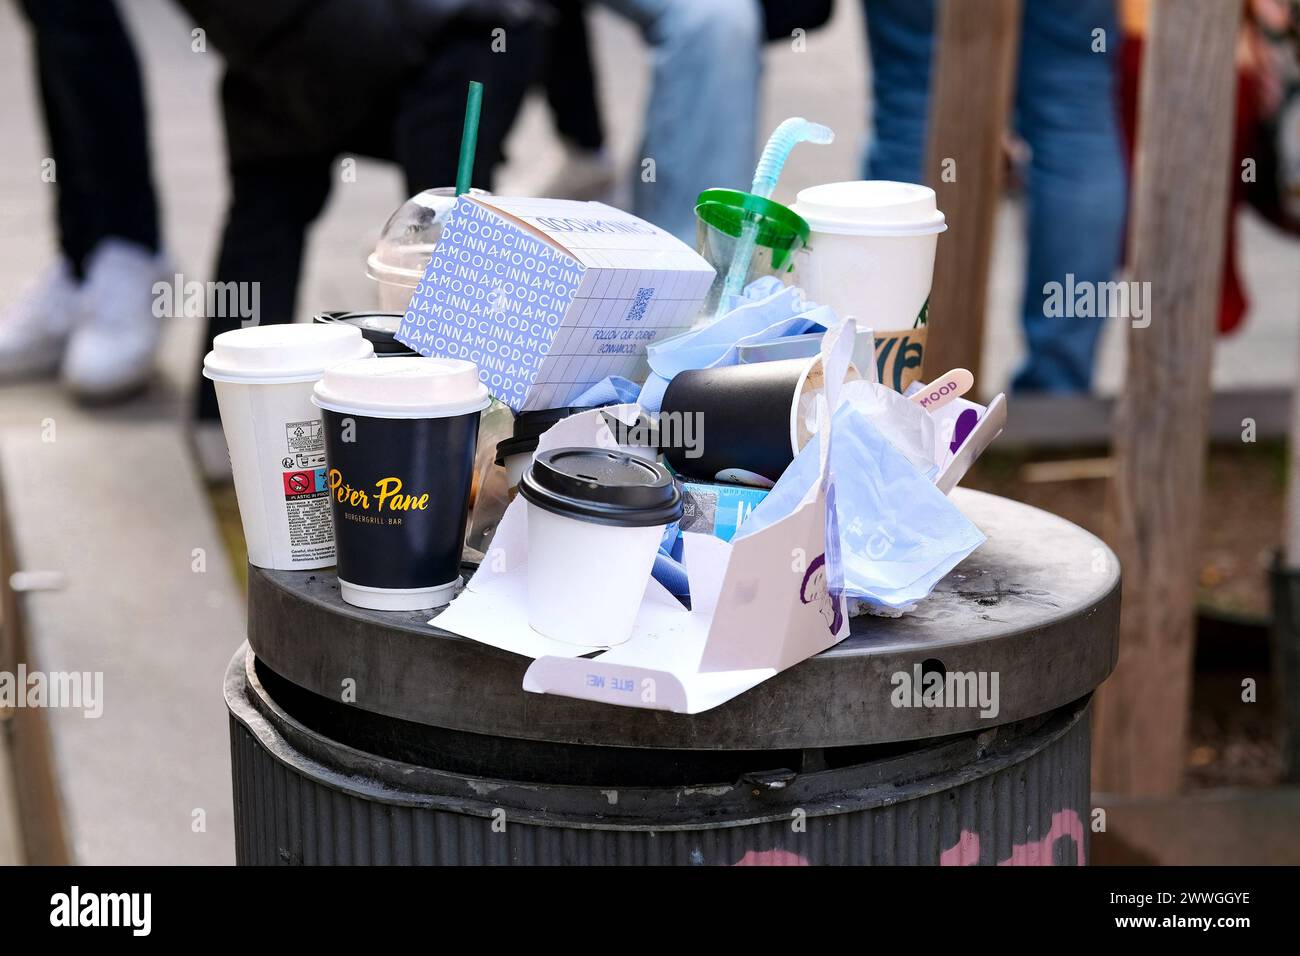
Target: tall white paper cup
<point>871,251</point>
<point>870,256</point>
<point>264,377</point>
<point>586,581</point>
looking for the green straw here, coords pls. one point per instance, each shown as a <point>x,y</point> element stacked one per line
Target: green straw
<point>469,137</point>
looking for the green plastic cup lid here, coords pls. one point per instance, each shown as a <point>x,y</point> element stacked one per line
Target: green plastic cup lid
<point>727,209</point>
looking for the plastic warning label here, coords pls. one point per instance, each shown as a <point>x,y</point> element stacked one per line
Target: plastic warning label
<point>311,532</point>
<point>305,438</point>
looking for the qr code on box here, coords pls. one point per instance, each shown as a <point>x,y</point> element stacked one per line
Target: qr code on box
<point>637,312</point>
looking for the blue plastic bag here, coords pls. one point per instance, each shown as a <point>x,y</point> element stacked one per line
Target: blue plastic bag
<point>897,535</point>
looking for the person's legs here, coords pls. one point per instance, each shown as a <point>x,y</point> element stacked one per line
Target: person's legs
<point>901,38</point>
<point>1067,111</point>
<point>95,117</point>
<point>97,295</point>
<point>426,125</point>
<point>701,126</point>
<point>570,80</point>
<point>271,206</point>
<point>568,76</point>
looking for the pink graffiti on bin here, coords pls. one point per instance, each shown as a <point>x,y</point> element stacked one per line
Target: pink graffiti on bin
<point>771,858</point>
<point>966,852</point>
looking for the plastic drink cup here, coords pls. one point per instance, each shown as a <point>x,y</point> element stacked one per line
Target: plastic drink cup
<point>406,245</point>
<point>264,377</point>
<point>487,494</point>
<point>721,215</point>
<point>595,520</point>
<point>871,256</point>
<point>400,436</point>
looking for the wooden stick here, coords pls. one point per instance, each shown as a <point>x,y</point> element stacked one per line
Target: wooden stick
<point>1176,236</point>
<point>975,59</point>
<point>1291,544</point>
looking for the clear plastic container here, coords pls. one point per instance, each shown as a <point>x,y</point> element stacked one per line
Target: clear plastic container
<point>407,243</point>
<point>488,495</point>
<point>720,216</point>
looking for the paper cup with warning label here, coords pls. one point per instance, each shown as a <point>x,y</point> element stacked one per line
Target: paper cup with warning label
<point>264,377</point>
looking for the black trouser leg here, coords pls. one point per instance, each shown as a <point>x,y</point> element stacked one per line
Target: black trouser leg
<point>431,108</point>
<point>271,206</point>
<point>570,79</point>
<point>95,119</point>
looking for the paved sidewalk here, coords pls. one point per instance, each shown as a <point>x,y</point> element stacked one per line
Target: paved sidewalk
<point>1220,827</point>
<point>11,848</point>
<point>140,617</point>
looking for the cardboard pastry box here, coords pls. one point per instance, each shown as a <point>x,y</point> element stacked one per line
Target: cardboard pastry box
<point>550,296</point>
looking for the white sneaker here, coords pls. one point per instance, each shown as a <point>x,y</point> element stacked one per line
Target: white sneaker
<point>111,351</point>
<point>34,329</point>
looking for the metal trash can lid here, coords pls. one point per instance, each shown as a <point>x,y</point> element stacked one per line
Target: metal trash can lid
<point>1036,609</point>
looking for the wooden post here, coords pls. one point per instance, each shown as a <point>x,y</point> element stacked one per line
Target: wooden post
<point>1285,678</point>
<point>975,56</point>
<point>1291,538</point>
<point>1176,235</point>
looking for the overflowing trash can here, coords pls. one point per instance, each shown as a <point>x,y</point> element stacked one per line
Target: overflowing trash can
<point>956,734</point>
<point>509,603</point>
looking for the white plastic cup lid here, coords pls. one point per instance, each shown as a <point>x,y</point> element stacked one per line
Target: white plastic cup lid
<point>870,207</point>
<point>280,354</point>
<point>403,387</point>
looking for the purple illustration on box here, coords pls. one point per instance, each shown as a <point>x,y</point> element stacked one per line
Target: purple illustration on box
<point>815,590</point>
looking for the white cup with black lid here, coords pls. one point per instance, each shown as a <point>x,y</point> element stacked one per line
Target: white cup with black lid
<point>595,520</point>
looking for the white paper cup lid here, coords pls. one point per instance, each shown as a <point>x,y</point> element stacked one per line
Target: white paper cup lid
<point>275,354</point>
<point>403,387</point>
<point>870,207</point>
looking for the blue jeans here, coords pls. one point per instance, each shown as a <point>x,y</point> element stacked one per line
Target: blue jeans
<point>701,124</point>
<point>1066,109</point>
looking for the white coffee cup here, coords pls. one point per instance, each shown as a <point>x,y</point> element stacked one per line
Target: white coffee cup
<point>264,377</point>
<point>595,520</point>
<point>870,254</point>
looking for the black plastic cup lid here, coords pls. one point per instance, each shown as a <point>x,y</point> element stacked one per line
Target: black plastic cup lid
<point>602,486</point>
<point>533,424</point>
<point>530,426</point>
<point>515,446</point>
<point>378,328</point>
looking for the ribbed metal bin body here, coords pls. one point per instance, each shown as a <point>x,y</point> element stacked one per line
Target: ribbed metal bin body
<point>1015,794</point>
